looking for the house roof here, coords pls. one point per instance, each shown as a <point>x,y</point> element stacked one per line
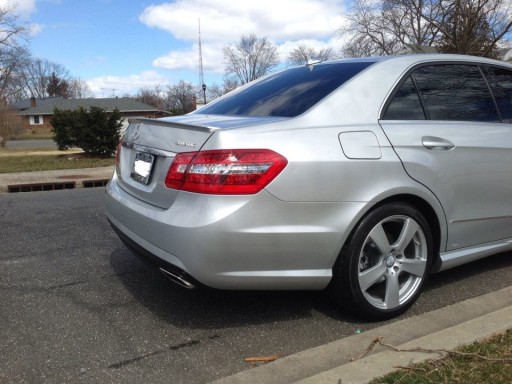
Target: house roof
<point>21,105</point>
<point>123,104</point>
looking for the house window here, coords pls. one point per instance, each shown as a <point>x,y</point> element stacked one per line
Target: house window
<point>36,120</point>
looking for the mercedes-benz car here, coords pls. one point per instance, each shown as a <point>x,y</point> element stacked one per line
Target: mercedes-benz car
<point>362,176</point>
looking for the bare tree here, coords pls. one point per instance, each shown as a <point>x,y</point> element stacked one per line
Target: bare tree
<point>37,75</point>
<point>304,54</point>
<point>181,97</point>
<point>473,27</point>
<point>251,58</point>
<point>385,27</point>
<point>152,96</point>
<point>12,57</point>
<point>214,91</point>
<point>217,90</point>
<point>79,89</point>
<point>12,61</point>
<point>12,52</point>
<point>230,84</point>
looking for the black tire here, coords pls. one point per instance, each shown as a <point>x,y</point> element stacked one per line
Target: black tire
<point>385,263</point>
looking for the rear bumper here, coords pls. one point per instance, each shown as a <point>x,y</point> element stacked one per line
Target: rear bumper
<point>235,242</point>
<point>180,277</point>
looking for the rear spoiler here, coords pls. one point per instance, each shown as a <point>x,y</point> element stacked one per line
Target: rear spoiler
<point>165,123</point>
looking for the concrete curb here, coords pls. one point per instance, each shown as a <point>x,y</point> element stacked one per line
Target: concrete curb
<point>445,328</point>
<point>366,369</point>
<point>82,177</point>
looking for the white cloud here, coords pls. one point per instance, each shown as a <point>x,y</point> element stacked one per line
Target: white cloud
<point>189,58</point>
<point>112,86</point>
<point>23,8</point>
<point>35,29</point>
<point>286,22</point>
<point>226,20</point>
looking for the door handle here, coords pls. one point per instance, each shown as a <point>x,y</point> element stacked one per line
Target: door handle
<point>436,143</point>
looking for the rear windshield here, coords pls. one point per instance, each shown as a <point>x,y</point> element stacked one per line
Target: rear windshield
<point>288,93</point>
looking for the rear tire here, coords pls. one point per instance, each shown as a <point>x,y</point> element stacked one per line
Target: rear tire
<point>384,265</point>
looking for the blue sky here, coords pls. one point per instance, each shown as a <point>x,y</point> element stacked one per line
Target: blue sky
<point>120,46</point>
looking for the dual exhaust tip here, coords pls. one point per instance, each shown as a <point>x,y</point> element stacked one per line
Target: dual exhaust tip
<point>179,278</point>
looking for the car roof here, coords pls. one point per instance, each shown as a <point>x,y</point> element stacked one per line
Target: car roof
<point>418,58</point>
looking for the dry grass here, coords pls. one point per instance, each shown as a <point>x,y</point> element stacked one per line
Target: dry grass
<point>17,160</point>
<point>488,361</point>
<point>35,134</point>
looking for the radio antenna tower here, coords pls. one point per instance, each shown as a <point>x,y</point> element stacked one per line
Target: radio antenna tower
<point>201,75</point>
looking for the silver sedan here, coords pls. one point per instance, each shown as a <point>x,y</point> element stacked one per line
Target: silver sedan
<point>361,176</point>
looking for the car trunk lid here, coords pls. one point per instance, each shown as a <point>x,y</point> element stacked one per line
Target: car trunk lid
<point>149,146</point>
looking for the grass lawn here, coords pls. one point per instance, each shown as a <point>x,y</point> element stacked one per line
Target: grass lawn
<point>488,361</point>
<point>18,160</point>
<point>36,134</point>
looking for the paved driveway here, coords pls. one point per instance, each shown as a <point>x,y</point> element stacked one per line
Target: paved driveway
<point>76,306</point>
<point>30,144</point>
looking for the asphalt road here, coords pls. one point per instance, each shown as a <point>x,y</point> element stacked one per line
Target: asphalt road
<point>76,306</point>
<point>31,144</point>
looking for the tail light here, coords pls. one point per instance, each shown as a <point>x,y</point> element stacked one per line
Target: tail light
<point>225,172</point>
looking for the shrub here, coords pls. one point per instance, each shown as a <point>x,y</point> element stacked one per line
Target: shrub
<point>95,131</point>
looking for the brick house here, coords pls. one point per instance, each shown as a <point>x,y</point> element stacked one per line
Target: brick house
<point>37,113</point>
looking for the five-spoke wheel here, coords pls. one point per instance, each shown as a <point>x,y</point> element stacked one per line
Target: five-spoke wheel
<point>382,268</point>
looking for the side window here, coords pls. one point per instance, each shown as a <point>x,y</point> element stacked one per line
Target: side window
<point>500,80</point>
<point>405,104</point>
<point>455,92</point>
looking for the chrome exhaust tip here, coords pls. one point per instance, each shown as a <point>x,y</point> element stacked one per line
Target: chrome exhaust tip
<point>178,278</point>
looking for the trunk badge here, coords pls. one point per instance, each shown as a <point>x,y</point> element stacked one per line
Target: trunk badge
<point>182,143</point>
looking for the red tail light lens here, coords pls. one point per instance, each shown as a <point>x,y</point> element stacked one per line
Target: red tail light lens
<point>225,172</point>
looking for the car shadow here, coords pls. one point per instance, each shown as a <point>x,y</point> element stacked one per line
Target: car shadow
<point>206,308</point>
<point>465,282</point>
<point>475,269</point>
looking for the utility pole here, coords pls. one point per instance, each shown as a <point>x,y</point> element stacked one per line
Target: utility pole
<point>109,89</point>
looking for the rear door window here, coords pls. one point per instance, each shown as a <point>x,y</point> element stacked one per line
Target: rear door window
<point>452,92</point>
<point>455,92</point>
<point>405,104</point>
<point>500,80</point>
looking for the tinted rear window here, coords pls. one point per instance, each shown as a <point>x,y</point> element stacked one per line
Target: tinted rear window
<point>405,104</point>
<point>455,92</point>
<point>288,93</point>
<point>500,80</point>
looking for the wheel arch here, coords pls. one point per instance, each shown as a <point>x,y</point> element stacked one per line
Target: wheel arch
<point>343,287</point>
<point>425,208</point>
<point>430,215</point>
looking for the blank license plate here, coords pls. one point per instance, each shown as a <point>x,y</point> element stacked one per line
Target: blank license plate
<point>142,167</point>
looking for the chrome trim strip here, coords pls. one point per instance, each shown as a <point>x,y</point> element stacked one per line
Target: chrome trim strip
<point>482,219</point>
<point>152,151</point>
<point>458,257</point>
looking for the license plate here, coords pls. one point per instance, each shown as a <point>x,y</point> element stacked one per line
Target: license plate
<point>142,167</point>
